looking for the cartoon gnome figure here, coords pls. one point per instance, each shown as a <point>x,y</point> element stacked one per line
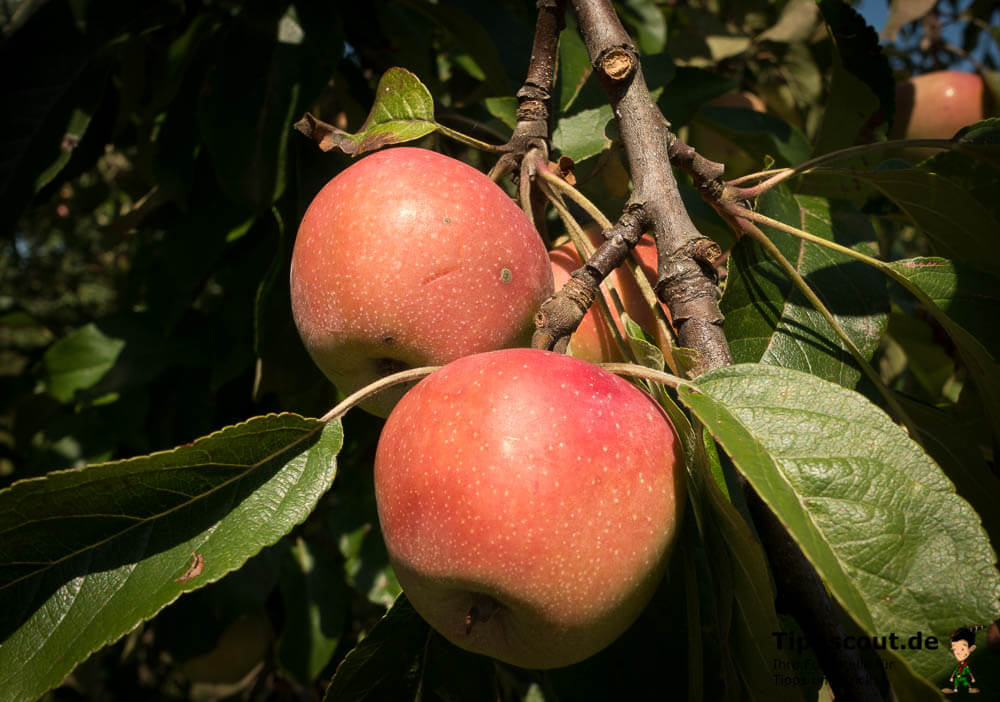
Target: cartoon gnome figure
<point>963,643</point>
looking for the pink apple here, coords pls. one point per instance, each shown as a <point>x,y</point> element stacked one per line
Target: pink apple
<point>592,341</point>
<point>411,258</point>
<point>936,105</point>
<point>529,501</point>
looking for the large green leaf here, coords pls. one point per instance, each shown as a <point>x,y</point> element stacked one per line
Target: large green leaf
<point>748,594</point>
<point>935,282</point>
<point>734,599</point>
<point>955,446</point>
<point>872,512</point>
<point>386,664</point>
<point>862,78</point>
<point>86,555</point>
<point>315,598</point>
<point>581,135</point>
<point>959,225</point>
<point>574,67</point>
<point>760,134</point>
<point>79,360</point>
<point>246,109</point>
<point>769,321</point>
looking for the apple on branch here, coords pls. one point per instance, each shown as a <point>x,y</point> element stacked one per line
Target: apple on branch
<point>411,258</point>
<point>593,341</point>
<point>936,105</point>
<point>529,501</point>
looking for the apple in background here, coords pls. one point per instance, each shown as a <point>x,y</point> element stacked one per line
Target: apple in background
<point>244,643</point>
<point>411,258</point>
<point>592,341</point>
<point>936,105</point>
<point>716,147</point>
<point>529,501</point>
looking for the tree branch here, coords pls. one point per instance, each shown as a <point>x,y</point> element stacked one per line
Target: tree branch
<point>686,284</point>
<point>686,280</point>
<point>534,99</point>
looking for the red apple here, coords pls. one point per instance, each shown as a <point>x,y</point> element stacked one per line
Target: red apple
<point>936,105</point>
<point>528,501</point>
<point>592,341</point>
<point>411,258</point>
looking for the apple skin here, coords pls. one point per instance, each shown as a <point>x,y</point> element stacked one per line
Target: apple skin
<point>242,645</point>
<point>936,105</point>
<point>410,258</point>
<point>529,501</point>
<point>592,341</point>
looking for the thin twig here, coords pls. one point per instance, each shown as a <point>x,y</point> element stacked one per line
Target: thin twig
<point>378,386</point>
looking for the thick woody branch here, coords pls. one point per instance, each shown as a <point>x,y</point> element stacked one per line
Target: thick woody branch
<point>686,284</point>
<point>685,281</point>
<point>561,314</point>
<point>534,99</point>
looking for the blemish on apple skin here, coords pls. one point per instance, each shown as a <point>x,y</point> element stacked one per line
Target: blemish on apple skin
<point>506,275</point>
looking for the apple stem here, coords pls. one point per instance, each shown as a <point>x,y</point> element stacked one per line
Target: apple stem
<point>636,371</point>
<point>491,607</point>
<point>585,251</point>
<point>378,386</point>
<point>775,177</point>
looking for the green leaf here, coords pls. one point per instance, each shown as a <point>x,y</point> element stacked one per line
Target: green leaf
<point>958,224</point>
<point>934,282</point>
<point>903,12</point>
<point>582,136</point>
<point>574,67</point>
<point>927,362</point>
<point>955,447</point>
<point>849,109</point>
<point>769,321</point>
<point>385,665</point>
<point>871,511</point>
<point>760,134</point>
<point>469,33</point>
<point>968,296</point>
<point>737,615</point>
<point>246,109</point>
<point>858,53</point>
<point>749,595</point>
<point>646,21</point>
<point>689,89</point>
<point>315,597</point>
<point>975,171</point>
<point>403,111</point>
<point>86,555</point>
<point>504,109</point>
<point>79,360</point>
<point>797,23</point>
<point>647,353</point>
